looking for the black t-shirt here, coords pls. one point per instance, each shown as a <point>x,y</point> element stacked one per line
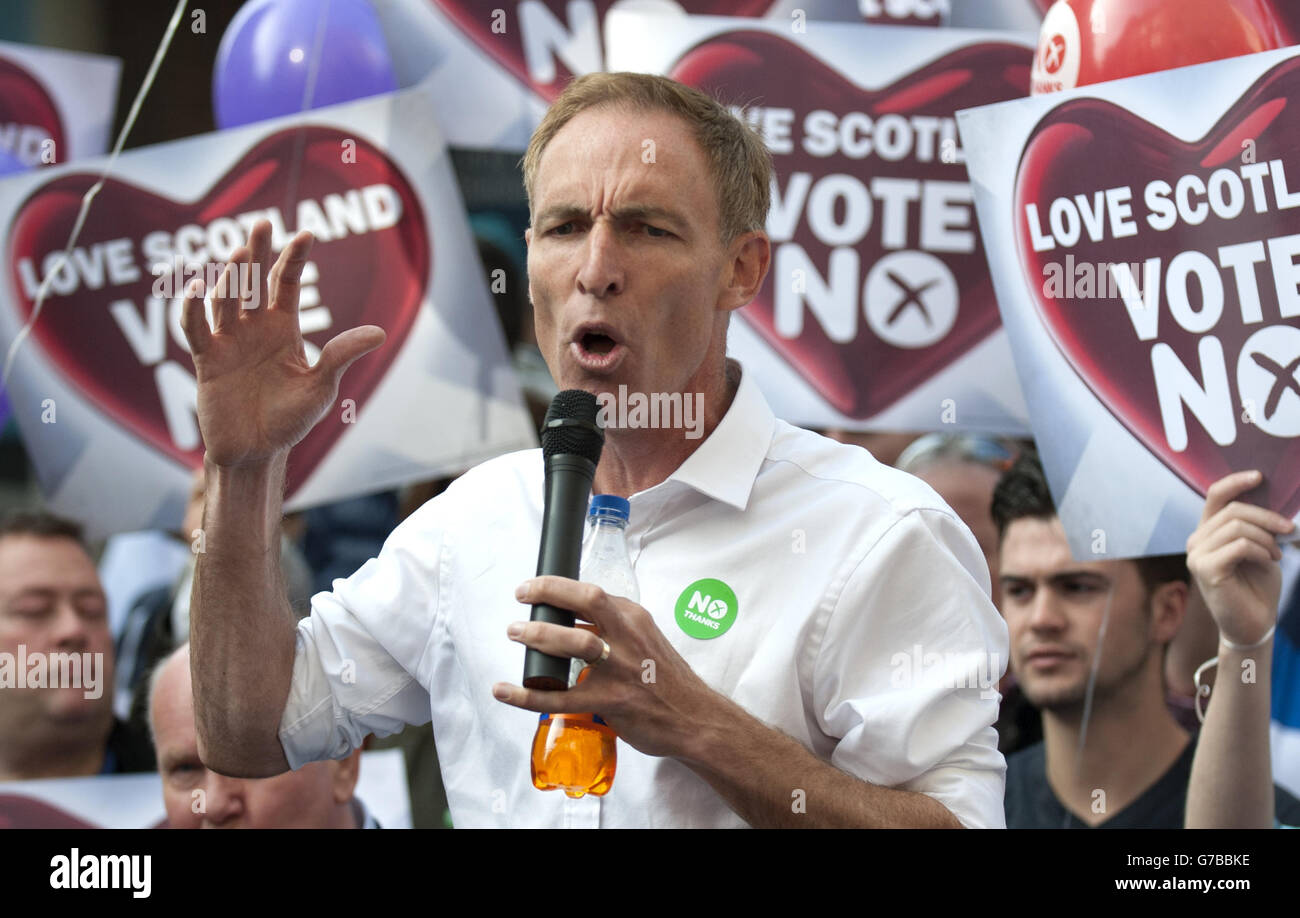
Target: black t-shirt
<point>1030,803</point>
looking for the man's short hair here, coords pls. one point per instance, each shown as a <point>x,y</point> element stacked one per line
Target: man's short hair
<point>738,159</point>
<point>40,524</point>
<point>1022,493</point>
<point>151,686</point>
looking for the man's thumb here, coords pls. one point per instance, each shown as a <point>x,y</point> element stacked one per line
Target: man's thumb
<point>346,347</point>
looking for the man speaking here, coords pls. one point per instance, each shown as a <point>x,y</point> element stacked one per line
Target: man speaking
<point>851,681</point>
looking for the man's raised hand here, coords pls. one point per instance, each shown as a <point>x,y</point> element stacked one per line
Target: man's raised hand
<point>257,394</point>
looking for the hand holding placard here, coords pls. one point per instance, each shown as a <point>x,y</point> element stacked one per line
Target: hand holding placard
<point>1233,557</point>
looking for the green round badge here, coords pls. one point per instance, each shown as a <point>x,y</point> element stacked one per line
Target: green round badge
<point>706,609</point>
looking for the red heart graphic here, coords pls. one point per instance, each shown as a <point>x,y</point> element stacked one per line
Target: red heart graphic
<point>18,811</point>
<point>376,277</point>
<point>476,19</point>
<point>25,103</point>
<point>863,376</point>
<point>1289,12</point>
<point>1088,145</point>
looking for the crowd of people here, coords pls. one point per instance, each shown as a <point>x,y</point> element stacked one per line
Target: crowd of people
<point>1099,700</point>
<point>1093,716</point>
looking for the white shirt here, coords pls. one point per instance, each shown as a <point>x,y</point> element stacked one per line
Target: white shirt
<point>862,608</point>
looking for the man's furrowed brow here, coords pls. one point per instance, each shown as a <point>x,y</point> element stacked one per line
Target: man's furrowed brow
<point>562,213</point>
<point>649,212</point>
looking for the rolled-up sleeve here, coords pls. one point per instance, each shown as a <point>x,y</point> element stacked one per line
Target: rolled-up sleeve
<point>906,676</point>
<point>357,665</point>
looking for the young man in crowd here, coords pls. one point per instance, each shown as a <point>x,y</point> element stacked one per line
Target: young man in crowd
<point>1088,640</point>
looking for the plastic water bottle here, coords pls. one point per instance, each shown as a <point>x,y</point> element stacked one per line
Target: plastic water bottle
<point>578,753</point>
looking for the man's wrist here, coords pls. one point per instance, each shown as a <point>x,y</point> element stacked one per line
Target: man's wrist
<point>1235,646</point>
<point>270,467</point>
<point>250,497</point>
<point>714,733</point>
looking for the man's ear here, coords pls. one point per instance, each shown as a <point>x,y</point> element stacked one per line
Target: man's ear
<point>1168,606</point>
<point>750,257</point>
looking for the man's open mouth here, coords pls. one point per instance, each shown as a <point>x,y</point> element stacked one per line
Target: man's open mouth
<point>597,343</point>
<point>596,349</point>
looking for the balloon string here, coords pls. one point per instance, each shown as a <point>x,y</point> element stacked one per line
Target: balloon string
<point>1092,685</point>
<point>308,94</point>
<point>89,196</point>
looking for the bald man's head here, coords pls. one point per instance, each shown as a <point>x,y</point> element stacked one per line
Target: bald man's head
<point>316,796</point>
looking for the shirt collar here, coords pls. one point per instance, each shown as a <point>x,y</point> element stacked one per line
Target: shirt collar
<point>726,464</point>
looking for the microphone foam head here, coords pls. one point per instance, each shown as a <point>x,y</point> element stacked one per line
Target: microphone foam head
<point>570,426</point>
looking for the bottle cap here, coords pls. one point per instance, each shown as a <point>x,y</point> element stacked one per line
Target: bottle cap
<point>609,506</point>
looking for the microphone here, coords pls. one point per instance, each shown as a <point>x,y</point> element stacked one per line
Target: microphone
<point>571,445</point>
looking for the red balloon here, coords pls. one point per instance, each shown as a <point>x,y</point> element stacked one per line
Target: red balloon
<point>1089,41</point>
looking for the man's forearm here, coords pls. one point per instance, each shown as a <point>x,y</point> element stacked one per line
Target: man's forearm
<point>241,626</point>
<point>1231,785</point>
<point>772,781</point>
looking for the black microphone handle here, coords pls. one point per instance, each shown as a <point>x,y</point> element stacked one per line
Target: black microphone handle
<point>567,492</point>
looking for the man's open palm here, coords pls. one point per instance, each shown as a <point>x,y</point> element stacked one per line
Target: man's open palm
<point>257,394</point>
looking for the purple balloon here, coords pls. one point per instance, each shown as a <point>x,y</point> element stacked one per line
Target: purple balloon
<point>10,164</point>
<point>266,55</point>
<point>4,410</point>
